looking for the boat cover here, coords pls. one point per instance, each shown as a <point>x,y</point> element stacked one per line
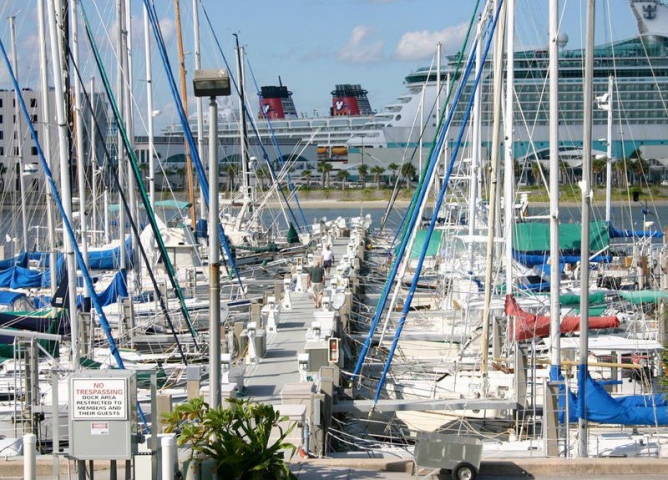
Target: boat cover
<point>528,325</point>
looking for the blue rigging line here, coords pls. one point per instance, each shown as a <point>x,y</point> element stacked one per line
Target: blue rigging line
<point>439,202</point>
<point>201,174</point>
<point>404,242</point>
<point>257,133</point>
<point>113,348</point>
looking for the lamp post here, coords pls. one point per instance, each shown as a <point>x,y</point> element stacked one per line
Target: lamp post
<point>213,83</point>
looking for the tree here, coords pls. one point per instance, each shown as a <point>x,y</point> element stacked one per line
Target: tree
<point>408,172</point>
<point>262,173</point>
<point>236,439</point>
<point>324,168</point>
<point>231,171</point>
<point>393,167</point>
<point>342,176</point>
<point>377,171</point>
<point>307,175</point>
<point>363,172</point>
<point>598,166</point>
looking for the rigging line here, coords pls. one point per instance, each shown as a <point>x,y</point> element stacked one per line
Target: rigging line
<point>187,132</point>
<point>281,160</point>
<point>460,61</point>
<point>439,202</point>
<point>255,130</point>
<point>133,224</point>
<point>67,225</point>
<point>140,184</point>
<point>417,197</point>
<point>400,251</point>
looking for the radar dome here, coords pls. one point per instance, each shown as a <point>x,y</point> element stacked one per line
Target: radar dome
<point>562,40</point>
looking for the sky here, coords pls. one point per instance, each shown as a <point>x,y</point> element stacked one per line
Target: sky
<point>312,45</point>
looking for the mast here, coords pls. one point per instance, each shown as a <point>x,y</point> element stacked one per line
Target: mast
<point>200,114</point>
<point>245,171</point>
<point>608,164</point>
<point>149,105</point>
<point>79,149</point>
<point>493,190</point>
<point>93,161</point>
<point>586,204</point>
<point>508,160</point>
<point>555,255</point>
<point>63,150</point>
<point>18,144</point>
<point>184,100</point>
<point>46,116</point>
<point>475,151</point>
<point>120,155</point>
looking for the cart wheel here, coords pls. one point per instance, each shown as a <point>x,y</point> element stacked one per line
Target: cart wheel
<point>464,471</point>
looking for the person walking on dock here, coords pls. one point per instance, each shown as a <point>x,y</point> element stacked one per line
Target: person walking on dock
<point>327,258</point>
<point>316,280</point>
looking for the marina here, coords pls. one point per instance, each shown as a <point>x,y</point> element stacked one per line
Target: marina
<point>444,320</point>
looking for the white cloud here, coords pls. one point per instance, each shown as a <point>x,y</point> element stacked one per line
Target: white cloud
<point>422,44</point>
<point>361,47</point>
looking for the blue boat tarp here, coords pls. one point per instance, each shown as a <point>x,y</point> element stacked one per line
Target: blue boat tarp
<point>19,277</point>
<point>20,260</point>
<point>615,232</point>
<point>605,409</point>
<point>118,288</point>
<point>7,297</point>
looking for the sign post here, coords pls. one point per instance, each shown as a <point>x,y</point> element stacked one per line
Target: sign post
<point>103,415</point>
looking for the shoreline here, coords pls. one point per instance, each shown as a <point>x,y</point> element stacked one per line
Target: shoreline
<point>332,204</point>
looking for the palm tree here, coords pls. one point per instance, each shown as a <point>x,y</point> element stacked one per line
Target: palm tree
<point>231,170</point>
<point>598,166</point>
<point>342,176</point>
<point>377,171</point>
<point>393,167</point>
<point>324,168</point>
<point>408,172</point>
<point>363,172</point>
<point>307,175</point>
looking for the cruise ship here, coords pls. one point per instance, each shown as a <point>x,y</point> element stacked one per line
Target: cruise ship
<point>637,66</point>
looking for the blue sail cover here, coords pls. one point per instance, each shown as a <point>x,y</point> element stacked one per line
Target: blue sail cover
<point>98,259</point>
<point>118,288</point>
<point>629,410</point>
<point>20,260</point>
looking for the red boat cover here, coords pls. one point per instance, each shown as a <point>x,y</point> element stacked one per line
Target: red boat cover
<point>528,325</point>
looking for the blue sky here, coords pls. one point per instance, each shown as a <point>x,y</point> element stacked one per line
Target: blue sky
<point>311,44</point>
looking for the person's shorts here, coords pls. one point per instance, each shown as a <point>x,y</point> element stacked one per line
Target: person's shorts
<point>327,263</point>
<point>317,288</point>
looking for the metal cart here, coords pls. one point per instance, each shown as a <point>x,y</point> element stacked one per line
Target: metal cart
<point>460,455</point>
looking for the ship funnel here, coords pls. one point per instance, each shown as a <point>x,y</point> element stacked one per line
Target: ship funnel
<point>350,100</point>
<point>276,103</point>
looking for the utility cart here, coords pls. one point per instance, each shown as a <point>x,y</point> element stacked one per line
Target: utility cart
<point>460,455</point>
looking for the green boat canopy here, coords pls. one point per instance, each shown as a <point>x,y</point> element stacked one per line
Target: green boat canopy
<point>434,244</point>
<point>177,204</point>
<point>535,237</point>
<point>644,296</point>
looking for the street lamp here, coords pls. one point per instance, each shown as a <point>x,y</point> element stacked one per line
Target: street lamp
<point>213,83</point>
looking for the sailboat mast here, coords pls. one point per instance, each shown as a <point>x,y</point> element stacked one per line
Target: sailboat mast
<point>79,147</point>
<point>200,112</point>
<point>46,116</point>
<point>508,160</point>
<point>149,105</point>
<point>184,100</point>
<point>493,190</point>
<point>63,150</point>
<point>18,143</point>
<point>243,147</point>
<point>120,155</point>
<point>555,281</point>
<point>588,90</point>
<point>608,154</point>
